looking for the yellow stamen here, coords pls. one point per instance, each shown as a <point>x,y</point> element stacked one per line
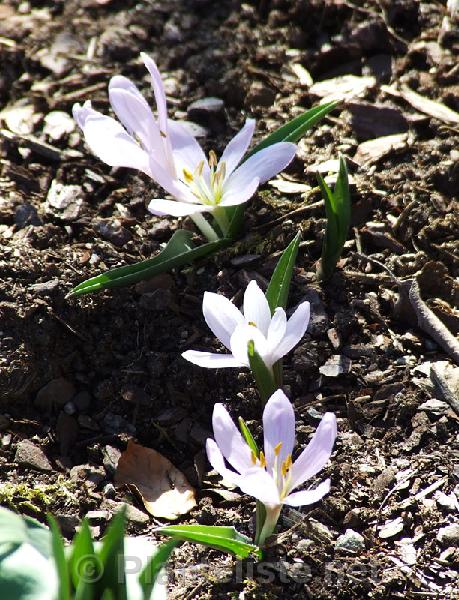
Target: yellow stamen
<point>262,460</point>
<point>213,161</point>
<point>222,170</point>
<point>286,465</point>
<point>199,168</point>
<point>188,176</point>
<point>253,456</point>
<point>252,324</point>
<point>277,448</point>
<point>162,134</point>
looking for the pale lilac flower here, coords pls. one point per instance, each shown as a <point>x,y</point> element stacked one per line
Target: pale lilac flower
<point>273,475</point>
<point>273,336</point>
<point>453,7</point>
<point>169,154</point>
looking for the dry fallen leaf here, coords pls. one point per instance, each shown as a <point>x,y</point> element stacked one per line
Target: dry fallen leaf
<point>425,105</point>
<point>164,490</point>
<point>343,87</point>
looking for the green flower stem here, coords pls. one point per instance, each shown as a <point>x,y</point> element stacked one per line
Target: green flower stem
<point>260,517</point>
<point>205,227</point>
<point>269,525</point>
<point>221,217</point>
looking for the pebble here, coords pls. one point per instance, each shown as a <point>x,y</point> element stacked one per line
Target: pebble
<point>58,391</point>
<point>351,541</point>
<point>391,528</point>
<point>338,364</point>
<point>26,214</point>
<point>60,196</point>
<point>111,456</point>
<point>30,455</point>
<point>70,408</point>
<point>260,94</point>
<point>133,514</point>
<point>109,491</point>
<point>114,233</point>
<point>58,124</point>
<point>45,287</point>
<point>449,535</point>
<point>204,109</point>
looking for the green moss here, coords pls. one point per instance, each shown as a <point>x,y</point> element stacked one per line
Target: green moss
<point>36,499</point>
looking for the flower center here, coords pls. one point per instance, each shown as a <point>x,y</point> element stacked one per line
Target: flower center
<point>282,476</point>
<point>208,190</point>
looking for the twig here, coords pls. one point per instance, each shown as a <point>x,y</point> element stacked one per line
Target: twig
<point>431,324</point>
<point>444,388</point>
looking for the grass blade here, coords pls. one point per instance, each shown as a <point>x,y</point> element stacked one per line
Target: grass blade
<point>279,286</point>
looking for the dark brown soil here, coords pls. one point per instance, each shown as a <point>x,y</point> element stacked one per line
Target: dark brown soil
<point>80,377</point>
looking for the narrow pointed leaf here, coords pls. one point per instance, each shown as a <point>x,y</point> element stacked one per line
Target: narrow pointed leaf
<point>111,556</point>
<point>179,251</point>
<point>279,286</point>
<point>83,564</point>
<point>262,374</point>
<point>148,576</point>
<point>57,544</point>
<point>289,132</point>
<point>226,539</point>
<point>338,213</point>
<point>246,434</point>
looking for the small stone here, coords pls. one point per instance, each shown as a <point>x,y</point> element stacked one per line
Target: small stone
<point>26,214</point>
<point>351,541</point>
<point>60,196</point>
<point>260,95</point>
<point>111,457</point>
<point>115,233</point>
<point>391,528</point>
<point>68,523</point>
<point>109,491</point>
<point>58,124</point>
<point>45,288</point>
<point>449,535</point>
<point>206,109</point>
<point>338,364</point>
<point>97,515</point>
<point>133,514</point>
<point>69,408</point>
<point>56,392</point>
<point>434,406</point>
<point>30,455</point>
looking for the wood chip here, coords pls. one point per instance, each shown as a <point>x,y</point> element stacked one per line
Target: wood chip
<point>343,87</point>
<point>373,150</point>
<point>425,105</point>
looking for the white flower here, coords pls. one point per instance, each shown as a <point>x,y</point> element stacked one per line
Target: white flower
<point>453,7</point>
<point>273,336</point>
<point>164,150</point>
<point>273,475</point>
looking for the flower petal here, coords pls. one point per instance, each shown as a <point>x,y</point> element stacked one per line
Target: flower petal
<point>259,484</point>
<point>218,463</point>
<point>186,150</point>
<point>174,208</point>
<point>237,147</point>
<point>277,328</point>
<point>308,496</point>
<point>240,339</point>
<point>278,427</point>
<point>221,316</point>
<point>296,328</point>
<point>136,116</point>
<point>230,441</point>
<point>232,195</point>
<point>263,164</point>
<point>256,308</point>
<point>172,185</point>
<point>82,112</point>
<point>316,454</point>
<point>111,143</point>
<point>209,360</point>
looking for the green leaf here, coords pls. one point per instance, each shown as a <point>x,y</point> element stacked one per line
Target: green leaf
<point>57,544</point>
<point>338,213</point>
<point>246,434</point>
<point>148,576</point>
<point>226,539</point>
<point>296,128</point>
<point>38,536</point>
<point>83,564</point>
<point>179,251</point>
<point>111,556</point>
<point>279,286</point>
<point>262,374</point>
<point>289,132</point>
<point>13,529</point>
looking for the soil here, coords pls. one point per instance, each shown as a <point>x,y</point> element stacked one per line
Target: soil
<point>79,377</point>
